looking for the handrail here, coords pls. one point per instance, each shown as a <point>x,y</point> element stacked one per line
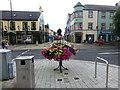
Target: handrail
<point>107,69</point>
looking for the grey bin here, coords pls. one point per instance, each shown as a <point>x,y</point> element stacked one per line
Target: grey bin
<point>25,72</point>
<point>10,70</point>
<point>5,58</point>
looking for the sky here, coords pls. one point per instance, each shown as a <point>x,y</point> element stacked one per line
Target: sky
<point>54,11</point>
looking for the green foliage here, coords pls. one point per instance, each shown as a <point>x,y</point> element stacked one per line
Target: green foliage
<point>116,21</point>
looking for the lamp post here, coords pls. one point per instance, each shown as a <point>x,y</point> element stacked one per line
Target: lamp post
<point>12,37</point>
<point>11,8</point>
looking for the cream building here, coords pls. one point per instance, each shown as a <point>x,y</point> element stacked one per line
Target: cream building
<point>89,17</point>
<point>19,26</point>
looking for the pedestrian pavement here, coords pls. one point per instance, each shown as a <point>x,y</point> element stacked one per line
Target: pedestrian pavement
<point>47,44</point>
<point>80,74</point>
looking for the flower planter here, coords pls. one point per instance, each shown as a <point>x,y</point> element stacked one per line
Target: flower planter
<point>59,51</point>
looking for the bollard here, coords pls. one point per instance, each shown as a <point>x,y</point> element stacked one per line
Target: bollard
<point>25,72</point>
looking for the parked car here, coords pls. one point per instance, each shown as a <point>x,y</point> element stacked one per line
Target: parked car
<point>100,41</point>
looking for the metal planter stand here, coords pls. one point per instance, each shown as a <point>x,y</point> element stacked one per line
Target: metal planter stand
<point>60,66</point>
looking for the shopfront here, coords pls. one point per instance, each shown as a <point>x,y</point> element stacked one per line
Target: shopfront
<point>106,35</point>
<point>24,37</point>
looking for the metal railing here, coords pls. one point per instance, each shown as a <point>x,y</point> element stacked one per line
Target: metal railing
<point>107,69</point>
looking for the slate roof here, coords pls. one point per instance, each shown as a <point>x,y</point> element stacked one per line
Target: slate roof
<point>78,4</point>
<point>19,15</point>
<point>100,7</point>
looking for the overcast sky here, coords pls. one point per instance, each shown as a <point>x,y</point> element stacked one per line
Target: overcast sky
<point>55,11</point>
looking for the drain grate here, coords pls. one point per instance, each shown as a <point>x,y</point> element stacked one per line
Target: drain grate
<point>66,73</point>
<point>76,78</point>
<point>59,79</point>
<point>66,80</point>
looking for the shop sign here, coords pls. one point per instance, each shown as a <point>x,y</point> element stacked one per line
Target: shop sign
<point>106,32</point>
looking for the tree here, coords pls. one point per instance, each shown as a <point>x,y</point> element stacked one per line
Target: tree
<point>116,21</point>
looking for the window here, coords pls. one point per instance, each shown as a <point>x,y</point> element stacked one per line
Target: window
<point>78,26</point>
<point>103,26</point>
<point>72,28</point>
<point>1,25</point>
<point>12,25</point>
<point>72,16</point>
<point>103,15</point>
<point>76,14</point>
<point>90,14</point>
<point>111,26</point>
<point>111,14</point>
<point>33,25</point>
<point>80,14</point>
<point>25,25</point>
<point>90,25</point>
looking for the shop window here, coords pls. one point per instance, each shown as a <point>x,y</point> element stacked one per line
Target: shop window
<point>90,14</point>
<point>19,37</point>
<point>90,25</point>
<point>25,25</point>
<point>33,25</point>
<point>12,25</point>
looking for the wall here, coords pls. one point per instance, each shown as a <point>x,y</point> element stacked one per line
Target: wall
<point>86,19</point>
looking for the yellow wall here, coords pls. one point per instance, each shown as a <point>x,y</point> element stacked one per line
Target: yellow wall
<point>19,23</point>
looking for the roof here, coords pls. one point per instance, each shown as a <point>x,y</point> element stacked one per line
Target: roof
<point>119,3</point>
<point>100,7</point>
<point>78,4</point>
<point>19,15</point>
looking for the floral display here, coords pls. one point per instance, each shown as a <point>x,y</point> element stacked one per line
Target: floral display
<point>59,50</point>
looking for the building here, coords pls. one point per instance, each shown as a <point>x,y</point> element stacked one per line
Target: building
<point>19,27</point>
<point>91,21</point>
<point>68,28</point>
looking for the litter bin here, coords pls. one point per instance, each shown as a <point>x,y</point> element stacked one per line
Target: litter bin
<point>25,72</point>
<point>10,70</point>
<point>5,58</point>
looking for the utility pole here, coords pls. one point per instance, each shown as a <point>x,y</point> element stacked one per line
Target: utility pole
<point>11,9</point>
<point>13,37</point>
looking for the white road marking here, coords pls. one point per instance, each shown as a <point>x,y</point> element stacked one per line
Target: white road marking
<point>21,54</point>
<point>110,53</point>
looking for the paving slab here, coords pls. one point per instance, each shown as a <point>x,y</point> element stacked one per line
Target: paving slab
<point>80,74</point>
